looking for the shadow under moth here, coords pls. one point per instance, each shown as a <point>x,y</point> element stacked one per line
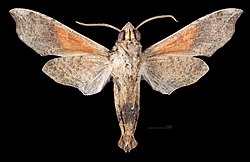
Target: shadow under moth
<point>85,64</point>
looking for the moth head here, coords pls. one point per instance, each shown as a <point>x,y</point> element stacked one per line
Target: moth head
<point>129,33</point>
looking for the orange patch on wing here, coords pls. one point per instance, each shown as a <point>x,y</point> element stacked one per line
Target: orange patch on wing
<point>179,44</point>
<point>72,43</point>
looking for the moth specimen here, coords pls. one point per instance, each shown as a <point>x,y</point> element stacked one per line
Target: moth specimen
<point>166,66</point>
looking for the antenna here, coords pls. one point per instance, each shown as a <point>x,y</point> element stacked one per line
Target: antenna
<point>99,24</point>
<point>155,17</point>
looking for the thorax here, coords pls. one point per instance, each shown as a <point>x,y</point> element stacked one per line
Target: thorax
<point>126,60</point>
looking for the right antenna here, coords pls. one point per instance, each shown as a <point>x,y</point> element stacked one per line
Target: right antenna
<point>155,17</point>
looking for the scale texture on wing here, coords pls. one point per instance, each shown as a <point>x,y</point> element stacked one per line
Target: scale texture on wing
<point>169,64</point>
<point>202,37</point>
<point>88,73</point>
<point>168,73</point>
<point>47,36</point>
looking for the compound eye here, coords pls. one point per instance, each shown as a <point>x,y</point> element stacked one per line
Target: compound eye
<point>121,36</point>
<point>137,35</point>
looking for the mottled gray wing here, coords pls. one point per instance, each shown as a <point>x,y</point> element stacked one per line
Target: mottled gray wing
<point>47,36</point>
<point>168,73</point>
<point>169,64</point>
<point>88,73</point>
<point>202,37</point>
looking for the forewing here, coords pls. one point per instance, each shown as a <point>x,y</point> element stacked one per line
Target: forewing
<point>167,73</point>
<point>202,37</point>
<point>47,36</point>
<point>88,73</point>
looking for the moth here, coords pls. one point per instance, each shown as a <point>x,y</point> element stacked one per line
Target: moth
<point>87,65</point>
